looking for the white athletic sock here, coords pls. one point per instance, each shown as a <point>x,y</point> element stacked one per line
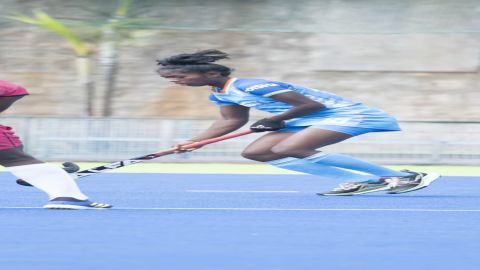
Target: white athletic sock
<point>50,179</point>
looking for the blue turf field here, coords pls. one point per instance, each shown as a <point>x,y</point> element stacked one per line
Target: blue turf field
<point>244,222</point>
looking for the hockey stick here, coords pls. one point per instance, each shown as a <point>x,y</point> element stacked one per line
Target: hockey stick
<point>127,162</point>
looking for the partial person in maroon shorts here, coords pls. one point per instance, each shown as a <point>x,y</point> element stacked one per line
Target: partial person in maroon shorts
<point>60,187</point>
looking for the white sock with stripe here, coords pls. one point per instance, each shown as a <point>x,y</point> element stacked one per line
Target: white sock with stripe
<point>51,179</point>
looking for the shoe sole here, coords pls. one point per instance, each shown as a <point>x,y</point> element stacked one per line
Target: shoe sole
<point>356,192</point>
<point>70,207</point>
<point>426,181</point>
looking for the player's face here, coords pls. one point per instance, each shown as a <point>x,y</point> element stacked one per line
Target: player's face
<point>185,78</point>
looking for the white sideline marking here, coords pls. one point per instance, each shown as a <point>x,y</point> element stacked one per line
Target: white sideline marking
<point>276,209</point>
<point>241,191</point>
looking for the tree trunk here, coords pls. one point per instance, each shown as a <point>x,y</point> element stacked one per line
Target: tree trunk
<point>108,58</point>
<point>85,79</point>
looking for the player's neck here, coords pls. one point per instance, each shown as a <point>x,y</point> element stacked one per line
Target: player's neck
<point>220,82</point>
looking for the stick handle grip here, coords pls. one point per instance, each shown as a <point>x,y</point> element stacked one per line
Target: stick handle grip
<point>197,144</point>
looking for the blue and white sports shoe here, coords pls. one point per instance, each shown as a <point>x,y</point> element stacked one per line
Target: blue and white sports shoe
<point>76,205</point>
<point>414,181</point>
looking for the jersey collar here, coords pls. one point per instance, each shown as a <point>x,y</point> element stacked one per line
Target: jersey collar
<point>224,89</point>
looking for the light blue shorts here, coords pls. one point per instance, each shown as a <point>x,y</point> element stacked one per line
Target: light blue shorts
<point>354,131</point>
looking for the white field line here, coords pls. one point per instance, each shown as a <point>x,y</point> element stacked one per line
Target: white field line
<point>241,191</point>
<point>275,209</point>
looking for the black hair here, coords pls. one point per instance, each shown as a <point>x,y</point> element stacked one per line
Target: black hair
<point>201,62</point>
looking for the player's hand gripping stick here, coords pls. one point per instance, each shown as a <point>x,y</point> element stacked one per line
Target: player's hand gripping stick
<point>266,124</point>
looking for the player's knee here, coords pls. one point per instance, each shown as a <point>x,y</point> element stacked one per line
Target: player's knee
<point>253,155</point>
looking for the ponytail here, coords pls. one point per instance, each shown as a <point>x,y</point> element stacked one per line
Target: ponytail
<point>201,61</point>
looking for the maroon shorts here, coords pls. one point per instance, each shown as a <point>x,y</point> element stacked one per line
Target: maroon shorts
<point>8,139</point>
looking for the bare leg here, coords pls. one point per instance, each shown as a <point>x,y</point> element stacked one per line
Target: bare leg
<point>16,157</point>
<point>260,149</point>
<point>278,145</point>
<point>265,149</point>
<point>304,143</point>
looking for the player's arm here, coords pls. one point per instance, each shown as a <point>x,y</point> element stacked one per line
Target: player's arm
<point>6,102</point>
<point>301,106</point>
<point>232,118</point>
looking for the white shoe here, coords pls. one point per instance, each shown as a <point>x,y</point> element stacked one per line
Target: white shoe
<point>76,205</point>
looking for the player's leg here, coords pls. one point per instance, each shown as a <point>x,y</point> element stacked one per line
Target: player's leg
<point>303,145</point>
<point>62,190</point>
<point>48,178</point>
<point>261,150</point>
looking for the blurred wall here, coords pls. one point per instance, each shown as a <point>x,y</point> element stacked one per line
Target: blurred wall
<point>417,59</point>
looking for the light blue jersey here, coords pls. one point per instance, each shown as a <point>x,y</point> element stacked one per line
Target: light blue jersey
<point>338,111</point>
